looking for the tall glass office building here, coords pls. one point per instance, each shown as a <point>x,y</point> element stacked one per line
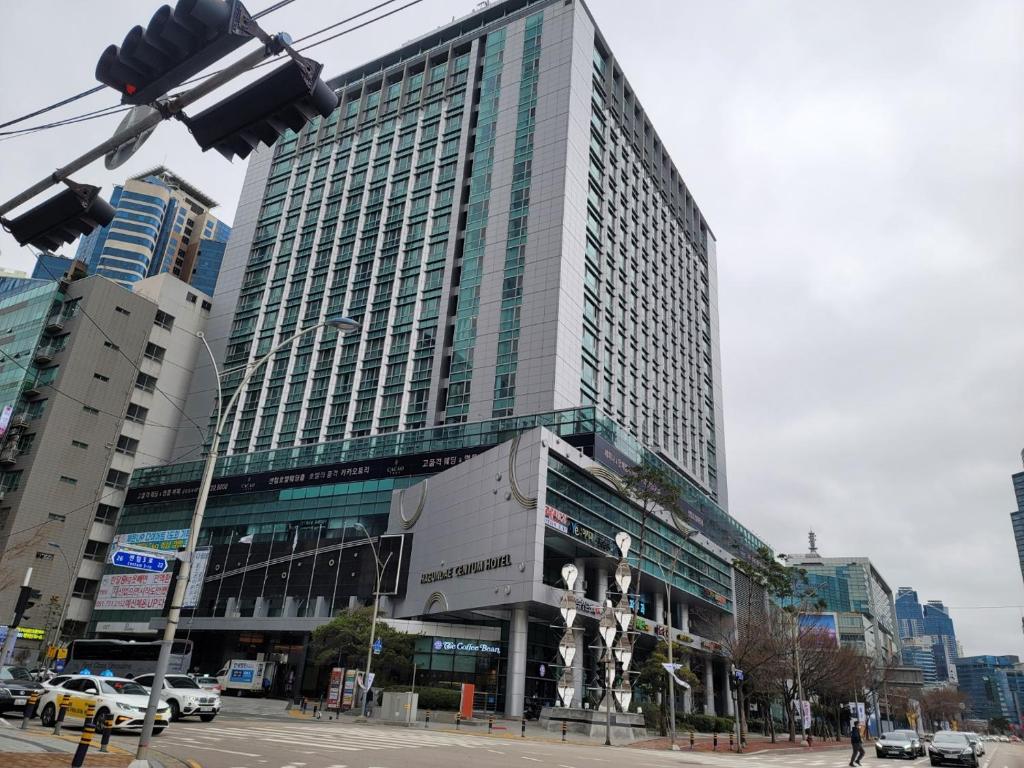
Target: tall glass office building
<point>162,225</point>
<point>537,293</point>
<point>1017,517</point>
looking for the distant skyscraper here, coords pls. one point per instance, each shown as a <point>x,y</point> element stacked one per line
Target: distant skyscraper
<point>909,615</point>
<point>50,266</point>
<point>939,625</point>
<point>1017,518</point>
<point>163,225</point>
<point>991,684</point>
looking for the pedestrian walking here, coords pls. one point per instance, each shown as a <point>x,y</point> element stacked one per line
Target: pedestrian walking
<point>857,742</point>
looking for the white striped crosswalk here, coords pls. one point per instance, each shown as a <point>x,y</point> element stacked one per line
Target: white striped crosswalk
<point>244,739</point>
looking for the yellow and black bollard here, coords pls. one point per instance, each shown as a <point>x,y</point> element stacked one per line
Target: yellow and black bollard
<point>65,702</point>
<point>691,741</point>
<point>732,745</point>
<point>522,727</point>
<point>30,710</point>
<point>458,719</point>
<point>714,742</point>
<point>428,719</point>
<point>108,726</point>
<point>490,724</point>
<point>84,743</point>
<point>565,727</point>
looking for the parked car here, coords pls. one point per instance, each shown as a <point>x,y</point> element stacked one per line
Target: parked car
<point>16,685</point>
<point>185,697</point>
<point>1004,739</point>
<point>952,747</point>
<point>899,744</point>
<point>208,682</point>
<point>125,699</point>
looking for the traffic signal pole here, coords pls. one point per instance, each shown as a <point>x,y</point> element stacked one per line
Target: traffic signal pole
<point>12,632</point>
<point>172,107</point>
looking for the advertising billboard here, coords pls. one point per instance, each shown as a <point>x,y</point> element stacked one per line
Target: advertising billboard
<point>132,592</point>
<point>171,540</point>
<point>824,626</point>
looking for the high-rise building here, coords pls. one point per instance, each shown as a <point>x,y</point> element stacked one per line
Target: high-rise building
<point>909,614</point>
<point>537,293</point>
<point>992,685</point>
<point>938,624</point>
<point>80,409</point>
<point>853,588</point>
<point>1017,517</point>
<point>918,652</point>
<point>162,226</point>
<point>13,280</point>
<point>50,266</point>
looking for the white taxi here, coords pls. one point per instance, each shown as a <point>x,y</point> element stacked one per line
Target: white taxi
<point>119,697</point>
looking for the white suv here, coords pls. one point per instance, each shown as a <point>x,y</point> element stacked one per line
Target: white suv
<point>184,696</point>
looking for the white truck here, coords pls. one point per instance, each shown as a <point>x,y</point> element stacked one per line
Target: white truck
<point>245,676</point>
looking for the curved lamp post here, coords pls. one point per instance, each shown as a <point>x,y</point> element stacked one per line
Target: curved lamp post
<point>342,325</point>
<point>376,607</point>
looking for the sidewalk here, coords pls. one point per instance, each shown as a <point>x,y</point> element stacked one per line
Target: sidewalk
<point>756,744</point>
<point>37,747</point>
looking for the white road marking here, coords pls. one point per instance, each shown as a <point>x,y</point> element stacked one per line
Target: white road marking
<point>495,752</point>
<point>214,749</point>
<point>530,758</point>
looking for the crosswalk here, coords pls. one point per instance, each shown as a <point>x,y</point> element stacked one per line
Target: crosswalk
<point>246,740</point>
<point>825,758</point>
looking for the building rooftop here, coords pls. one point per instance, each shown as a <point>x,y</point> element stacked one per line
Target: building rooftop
<point>175,181</point>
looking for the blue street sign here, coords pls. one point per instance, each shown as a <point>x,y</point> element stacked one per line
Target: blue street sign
<point>139,562</point>
<point>59,665</point>
<point>378,646</point>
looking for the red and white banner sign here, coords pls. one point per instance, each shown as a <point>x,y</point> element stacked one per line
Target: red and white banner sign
<point>132,592</point>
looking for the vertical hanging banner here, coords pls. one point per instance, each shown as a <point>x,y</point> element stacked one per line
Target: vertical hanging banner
<point>334,688</point>
<point>194,589</point>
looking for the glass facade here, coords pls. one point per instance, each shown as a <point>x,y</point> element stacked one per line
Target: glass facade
<point>987,682</point>
<point>23,316</point>
<point>1017,518</point>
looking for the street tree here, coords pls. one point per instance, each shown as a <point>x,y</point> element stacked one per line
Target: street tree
<point>344,640</point>
<point>652,680</point>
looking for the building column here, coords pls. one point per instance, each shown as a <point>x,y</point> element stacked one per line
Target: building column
<point>231,608</point>
<point>601,577</point>
<point>577,661</point>
<point>709,686</point>
<point>515,682</point>
<point>659,608</point>
<point>688,694</point>
<point>684,618</point>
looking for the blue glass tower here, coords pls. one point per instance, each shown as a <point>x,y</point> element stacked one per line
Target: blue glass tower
<point>1017,518</point>
<point>987,682</point>
<point>939,625</point>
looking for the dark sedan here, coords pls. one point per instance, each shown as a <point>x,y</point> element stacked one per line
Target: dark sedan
<point>16,685</point>
<point>952,747</point>
<point>905,744</point>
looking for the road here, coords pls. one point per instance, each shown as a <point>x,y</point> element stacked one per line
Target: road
<point>232,741</point>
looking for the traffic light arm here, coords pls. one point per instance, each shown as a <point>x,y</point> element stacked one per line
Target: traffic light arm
<point>168,109</point>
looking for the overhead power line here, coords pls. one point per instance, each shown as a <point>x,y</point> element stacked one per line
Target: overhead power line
<point>98,88</point>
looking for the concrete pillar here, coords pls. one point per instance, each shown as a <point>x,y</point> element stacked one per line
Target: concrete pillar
<point>687,696</point>
<point>577,662</point>
<point>684,618</point>
<point>601,577</point>
<point>659,608</point>
<point>321,609</point>
<point>515,683</point>
<point>291,607</point>
<point>259,609</point>
<point>353,602</point>
<point>709,686</point>
<point>231,609</point>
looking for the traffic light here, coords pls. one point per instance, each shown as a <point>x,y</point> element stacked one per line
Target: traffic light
<point>27,597</point>
<point>175,45</point>
<point>61,219</point>
<point>288,97</point>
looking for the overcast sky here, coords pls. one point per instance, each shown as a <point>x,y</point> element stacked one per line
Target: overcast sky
<point>861,165</point>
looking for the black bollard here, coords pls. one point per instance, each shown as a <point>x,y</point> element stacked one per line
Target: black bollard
<point>490,724</point>
<point>522,727</point>
<point>732,745</point>
<point>30,710</point>
<point>714,743</point>
<point>65,701</point>
<point>691,741</point>
<point>108,726</point>
<point>428,719</point>
<point>565,727</point>
<point>458,719</point>
<point>83,743</point>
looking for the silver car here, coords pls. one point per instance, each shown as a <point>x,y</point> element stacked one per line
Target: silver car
<point>185,697</point>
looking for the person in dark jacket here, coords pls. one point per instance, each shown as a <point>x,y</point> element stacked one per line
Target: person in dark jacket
<point>857,742</point>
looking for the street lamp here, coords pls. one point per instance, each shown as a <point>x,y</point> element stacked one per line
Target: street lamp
<point>58,630</point>
<point>376,607</point>
<point>342,325</point>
